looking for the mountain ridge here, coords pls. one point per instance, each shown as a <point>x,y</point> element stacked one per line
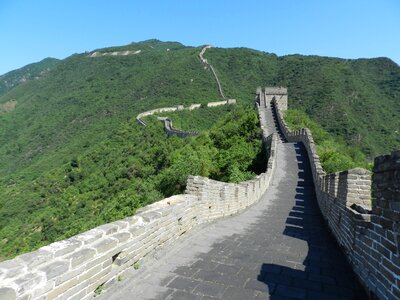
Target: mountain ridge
<point>72,142</point>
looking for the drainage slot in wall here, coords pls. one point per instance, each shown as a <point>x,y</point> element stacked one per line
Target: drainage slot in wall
<point>114,257</point>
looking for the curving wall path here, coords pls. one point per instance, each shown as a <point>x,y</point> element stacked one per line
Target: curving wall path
<point>368,231</point>
<point>170,130</point>
<point>168,122</point>
<point>203,60</point>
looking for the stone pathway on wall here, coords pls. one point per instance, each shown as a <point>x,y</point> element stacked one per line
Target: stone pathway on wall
<point>280,248</point>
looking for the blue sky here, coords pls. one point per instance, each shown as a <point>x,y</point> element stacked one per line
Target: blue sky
<point>31,30</point>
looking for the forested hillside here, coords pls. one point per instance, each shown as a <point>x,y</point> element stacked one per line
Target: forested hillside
<point>73,157</point>
<point>30,72</point>
<point>357,101</point>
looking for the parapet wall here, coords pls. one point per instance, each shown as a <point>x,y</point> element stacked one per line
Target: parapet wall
<point>204,61</point>
<point>170,130</point>
<point>369,233</point>
<point>76,267</point>
<point>140,116</point>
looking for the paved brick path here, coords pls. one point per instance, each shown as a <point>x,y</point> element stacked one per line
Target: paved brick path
<point>279,248</point>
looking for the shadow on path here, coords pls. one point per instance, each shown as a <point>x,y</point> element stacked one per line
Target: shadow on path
<point>324,273</point>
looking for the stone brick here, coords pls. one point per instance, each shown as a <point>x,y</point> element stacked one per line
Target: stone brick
<point>105,245</point>
<point>12,268</point>
<point>69,275</point>
<point>55,269</point>
<point>38,293</point>
<point>78,296</point>
<point>28,282</point>
<point>122,236</point>
<point>81,257</point>
<point>122,224</point>
<point>150,216</point>
<point>7,293</point>
<point>61,289</point>
<point>35,258</point>
<point>90,236</point>
<point>108,229</point>
<point>137,230</point>
<point>63,247</point>
<point>88,274</point>
<point>391,266</point>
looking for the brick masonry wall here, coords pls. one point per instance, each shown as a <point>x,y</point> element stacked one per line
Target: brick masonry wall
<point>369,233</point>
<point>140,116</point>
<point>75,267</point>
<point>170,130</point>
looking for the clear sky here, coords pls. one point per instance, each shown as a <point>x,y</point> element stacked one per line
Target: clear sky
<point>31,30</point>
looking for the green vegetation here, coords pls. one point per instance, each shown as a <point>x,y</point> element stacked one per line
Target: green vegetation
<point>132,168</point>
<point>72,156</point>
<point>99,290</point>
<point>27,73</point>
<point>197,119</point>
<point>357,101</point>
<point>335,155</point>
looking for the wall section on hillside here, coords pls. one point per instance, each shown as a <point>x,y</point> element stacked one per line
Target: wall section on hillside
<point>74,268</point>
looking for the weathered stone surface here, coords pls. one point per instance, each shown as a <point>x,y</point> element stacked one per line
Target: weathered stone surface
<point>108,229</point>
<point>7,293</point>
<point>80,257</point>
<point>28,282</point>
<point>55,269</point>
<point>105,245</point>
<point>12,268</point>
<point>137,230</point>
<point>35,258</point>
<point>89,236</point>
<point>63,247</point>
<point>121,224</point>
<point>122,236</point>
<point>150,216</point>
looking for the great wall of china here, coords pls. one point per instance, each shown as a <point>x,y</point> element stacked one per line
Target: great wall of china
<point>168,122</point>
<point>368,231</point>
<point>74,268</point>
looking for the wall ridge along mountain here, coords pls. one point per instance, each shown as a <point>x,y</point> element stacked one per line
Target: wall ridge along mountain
<point>170,130</point>
<point>203,60</point>
<point>369,233</point>
<point>168,122</point>
<point>74,268</point>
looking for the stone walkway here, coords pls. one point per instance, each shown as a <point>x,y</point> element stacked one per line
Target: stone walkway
<point>277,249</point>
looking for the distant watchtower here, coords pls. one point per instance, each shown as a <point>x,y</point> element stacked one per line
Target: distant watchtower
<point>279,94</point>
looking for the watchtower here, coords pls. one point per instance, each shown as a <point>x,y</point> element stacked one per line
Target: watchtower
<point>278,93</point>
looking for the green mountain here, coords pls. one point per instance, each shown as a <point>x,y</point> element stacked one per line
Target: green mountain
<point>73,157</point>
<point>30,72</point>
<point>357,101</point>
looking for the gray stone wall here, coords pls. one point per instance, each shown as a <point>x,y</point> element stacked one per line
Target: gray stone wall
<point>278,94</point>
<point>151,112</point>
<point>368,232</point>
<point>226,101</point>
<point>204,61</point>
<point>74,268</point>
<point>170,130</point>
